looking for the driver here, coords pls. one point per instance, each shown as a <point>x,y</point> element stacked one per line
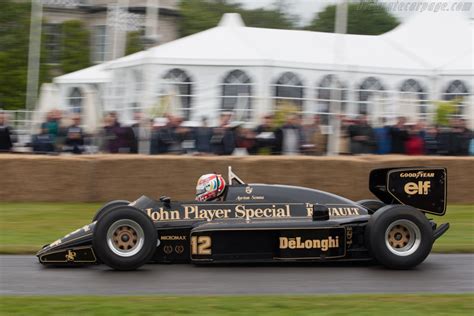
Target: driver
<point>209,187</point>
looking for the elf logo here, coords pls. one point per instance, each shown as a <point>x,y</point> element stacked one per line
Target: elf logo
<point>420,187</point>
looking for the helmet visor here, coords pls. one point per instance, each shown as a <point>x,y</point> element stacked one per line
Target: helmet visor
<point>200,189</point>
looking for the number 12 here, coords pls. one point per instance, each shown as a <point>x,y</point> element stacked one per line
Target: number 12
<point>201,245</point>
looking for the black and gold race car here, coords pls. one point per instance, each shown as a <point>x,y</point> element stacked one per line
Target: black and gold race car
<point>267,223</point>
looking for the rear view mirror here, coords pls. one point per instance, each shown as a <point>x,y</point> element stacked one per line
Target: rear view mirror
<point>320,212</point>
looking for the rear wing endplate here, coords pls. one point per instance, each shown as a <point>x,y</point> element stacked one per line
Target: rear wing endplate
<point>420,187</point>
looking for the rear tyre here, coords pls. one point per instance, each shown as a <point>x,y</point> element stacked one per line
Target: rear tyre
<point>371,205</point>
<point>108,206</point>
<point>125,238</point>
<point>399,236</point>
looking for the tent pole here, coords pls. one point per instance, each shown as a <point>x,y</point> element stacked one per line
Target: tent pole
<point>152,19</point>
<point>34,54</point>
<point>340,27</point>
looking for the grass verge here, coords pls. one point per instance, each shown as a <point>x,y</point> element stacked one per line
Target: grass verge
<point>25,227</point>
<point>387,305</point>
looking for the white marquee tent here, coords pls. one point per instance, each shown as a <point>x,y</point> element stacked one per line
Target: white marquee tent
<point>231,66</point>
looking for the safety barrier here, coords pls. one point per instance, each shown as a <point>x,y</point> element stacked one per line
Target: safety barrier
<point>32,178</point>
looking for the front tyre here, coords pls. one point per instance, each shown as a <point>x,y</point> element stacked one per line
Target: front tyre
<point>399,236</point>
<point>108,206</point>
<point>124,239</point>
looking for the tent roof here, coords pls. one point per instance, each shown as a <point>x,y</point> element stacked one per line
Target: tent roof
<point>94,74</point>
<point>424,43</point>
<point>461,65</point>
<point>428,43</point>
<point>439,39</point>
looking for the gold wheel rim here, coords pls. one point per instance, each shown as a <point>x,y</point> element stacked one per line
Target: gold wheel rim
<point>125,237</point>
<point>399,236</point>
<point>403,237</point>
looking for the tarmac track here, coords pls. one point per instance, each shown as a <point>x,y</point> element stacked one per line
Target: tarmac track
<point>440,273</point>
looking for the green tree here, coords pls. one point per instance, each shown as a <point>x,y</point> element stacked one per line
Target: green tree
<point>370,19</point>
<point>134,42</point>
<point>75,52</point>
<point>444,111</point>
<point>14,40</point>
<point>272,19</point>
<point>200,15</point>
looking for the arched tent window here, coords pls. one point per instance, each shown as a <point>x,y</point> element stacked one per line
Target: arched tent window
<point>236,94</point>
<point>414,87</point>
<point>413,93</point>
<point>457,90</point>
<point>369,88</point>
<point>75,100</point>
<point>331,88</point>
<point>178,85</point>
<point>289,89</point>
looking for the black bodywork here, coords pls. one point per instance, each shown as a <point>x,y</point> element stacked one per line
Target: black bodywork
<point>265,223</point>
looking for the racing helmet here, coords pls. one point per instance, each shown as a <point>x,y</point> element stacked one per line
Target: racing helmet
<point>209,187</point>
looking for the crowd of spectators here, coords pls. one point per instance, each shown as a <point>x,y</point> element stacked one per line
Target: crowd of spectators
<point>292,136</point>
<point>7,137</point>
<point>55,136</point>
<point>229,137</point>
<point>409,138</point>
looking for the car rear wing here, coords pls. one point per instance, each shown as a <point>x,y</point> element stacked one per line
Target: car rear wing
<point>422,188</point>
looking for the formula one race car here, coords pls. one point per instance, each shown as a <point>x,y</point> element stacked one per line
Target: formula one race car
<point>266,223</point>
